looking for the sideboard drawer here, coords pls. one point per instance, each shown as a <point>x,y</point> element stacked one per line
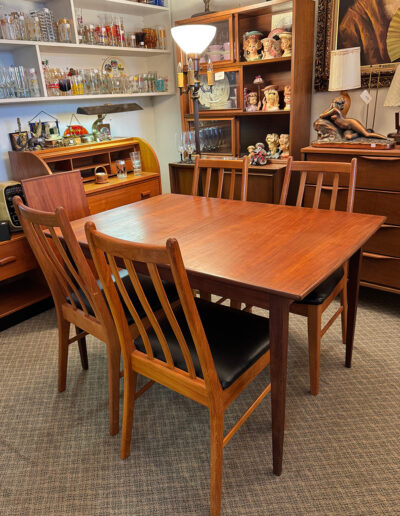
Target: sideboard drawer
<point>374,172</point>
<point>377,202</point>
<point>385,241</point>
<point>106,200</point>
<point>16,257</point>
<point>381,269</point>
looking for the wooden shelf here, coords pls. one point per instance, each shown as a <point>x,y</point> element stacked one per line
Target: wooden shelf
<point>121,7</point>
<point>264,113</point>
<point>115,181</point>
<point>25,290</point>
<point>264,61</point>
<point>75,48</point>
<point>77,98</point>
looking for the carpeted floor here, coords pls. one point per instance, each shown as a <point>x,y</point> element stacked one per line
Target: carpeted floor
<point>342,453</point>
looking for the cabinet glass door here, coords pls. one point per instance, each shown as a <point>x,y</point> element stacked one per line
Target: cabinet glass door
<point>216,136</point>
<point>224,94</point>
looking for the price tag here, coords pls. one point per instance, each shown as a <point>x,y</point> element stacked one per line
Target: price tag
<point>219,76</point>
<point>365,97</point>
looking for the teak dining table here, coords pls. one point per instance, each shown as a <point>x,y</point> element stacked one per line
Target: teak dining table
<point>260,254</point>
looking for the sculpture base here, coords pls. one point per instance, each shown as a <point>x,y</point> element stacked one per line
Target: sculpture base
<point>359,143</point>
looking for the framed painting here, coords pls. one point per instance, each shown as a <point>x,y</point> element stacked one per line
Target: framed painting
<point>372,25</point>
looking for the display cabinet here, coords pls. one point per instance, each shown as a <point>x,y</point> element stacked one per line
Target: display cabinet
<point>236,78</point>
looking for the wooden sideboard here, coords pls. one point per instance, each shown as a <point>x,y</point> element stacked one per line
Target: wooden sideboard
<point>21,282</point>
<point>265,182</point>
<point>378,193</point>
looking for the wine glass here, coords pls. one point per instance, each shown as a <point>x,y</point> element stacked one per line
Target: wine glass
<point>180,145</point>
<point>190,145</point>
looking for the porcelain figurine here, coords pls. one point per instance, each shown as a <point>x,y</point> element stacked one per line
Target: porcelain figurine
<point>258,154</point>
<point>271,48</point>
<point>286,43</point>
<point>284,146</point>
<point>252,104</point>
<point>252,45</point>
<point>287,95</point>
<point>270,101</point>
<point>272,140</point>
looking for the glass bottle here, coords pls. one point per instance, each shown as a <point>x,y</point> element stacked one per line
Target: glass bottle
<point>64,31</point>
<point>33,83</point>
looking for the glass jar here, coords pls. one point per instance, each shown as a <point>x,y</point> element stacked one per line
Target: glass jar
<point>121,169</point>
<point>64,31</point>
<point>33,28</point>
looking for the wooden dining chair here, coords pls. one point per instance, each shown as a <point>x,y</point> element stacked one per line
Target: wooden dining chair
<point>221,168</point>
<point>327,186</point>
<point>77,294</point>
<point>46,193</point>
<point>204,351</point>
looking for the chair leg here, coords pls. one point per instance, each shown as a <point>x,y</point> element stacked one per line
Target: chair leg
<point>217,437</point>
<point>343,301</point>
<point>82,349</point>
<point>130,379</point>
<point>114,364</point>
<point>63,337</point>
<point>314,347</point>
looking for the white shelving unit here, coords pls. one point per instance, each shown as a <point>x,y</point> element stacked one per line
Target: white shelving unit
<point>31,53</point>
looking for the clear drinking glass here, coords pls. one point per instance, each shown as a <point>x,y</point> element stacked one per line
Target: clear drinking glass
<point>136,163</point>
<point>121,169</point>
<point>180,145</point>
<point>190,145</point>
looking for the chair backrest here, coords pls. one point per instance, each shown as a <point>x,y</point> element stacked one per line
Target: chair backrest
<point>63,264</point>
<point>108,253</point>
<point>328,177</point>
<point>221,166</point>
<point>46,193</point>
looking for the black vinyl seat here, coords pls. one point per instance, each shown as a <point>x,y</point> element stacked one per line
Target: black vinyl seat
<point>323,291</point>
<point>237,340</point>
<point>148,289</point>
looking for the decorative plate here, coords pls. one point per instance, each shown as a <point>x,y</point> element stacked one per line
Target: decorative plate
<point>219,95</point>
<point>113,65</point>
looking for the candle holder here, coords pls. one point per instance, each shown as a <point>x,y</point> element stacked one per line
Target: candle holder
<point>193,86</point>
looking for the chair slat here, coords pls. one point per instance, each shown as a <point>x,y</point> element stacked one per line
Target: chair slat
<point>335,188</point>
<point>302,185</point>
<point>232,184</point>
<point>317,194</point>
<point>132,310</point>
<point>220,182</point>
<point>208,182</point>
<point>155,276</point>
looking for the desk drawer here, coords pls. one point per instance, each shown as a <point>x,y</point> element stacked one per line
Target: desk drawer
<point>16,257</point>
<point>106,200</point>
<point>381,269</point>
<point>385,241</point>
<point>373,172</point>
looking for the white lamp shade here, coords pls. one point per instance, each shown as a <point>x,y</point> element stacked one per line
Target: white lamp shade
<point>193,39</point>
<point>345,71</point>
<point>393,96</point>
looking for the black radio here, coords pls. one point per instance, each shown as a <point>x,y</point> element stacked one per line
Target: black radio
<point>8,189</point>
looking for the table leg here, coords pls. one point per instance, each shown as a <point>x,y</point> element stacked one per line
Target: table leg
<point>278,334</point>
<point>353,285</point>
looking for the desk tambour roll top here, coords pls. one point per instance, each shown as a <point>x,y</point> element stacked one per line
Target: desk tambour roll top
<point>378,193</point>
<point>86,158</point>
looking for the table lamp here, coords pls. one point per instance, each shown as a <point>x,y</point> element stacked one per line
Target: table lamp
<point>393,100</point>
<point>193,40</point>
<point>345,73</point>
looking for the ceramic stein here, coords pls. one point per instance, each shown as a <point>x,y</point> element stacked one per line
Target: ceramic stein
<point>271,99</point>
<point>271,48</point>
<point>284,145</point>
<point>287,95</point>
<point>252,45</point>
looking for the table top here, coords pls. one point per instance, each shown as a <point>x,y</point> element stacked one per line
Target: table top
<point>275,249</point>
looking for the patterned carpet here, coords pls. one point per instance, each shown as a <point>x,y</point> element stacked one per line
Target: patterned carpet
<point>342,453</point>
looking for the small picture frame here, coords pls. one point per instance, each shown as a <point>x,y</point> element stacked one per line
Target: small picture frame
<point>104,131</point>
<point>18,140</point>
